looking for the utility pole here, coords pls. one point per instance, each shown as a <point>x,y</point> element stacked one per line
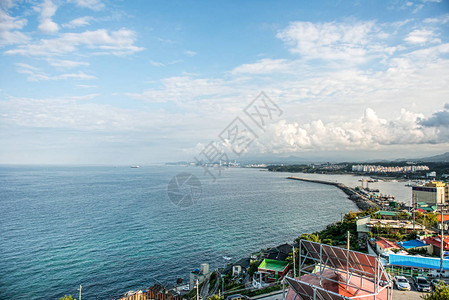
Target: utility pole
<point>222,284</point>
<point>442,243</point>
<point>197,290</point>
<point>80,292</point>
<point>413,201</point>
<point>294,262</point>
<point>347,246</point>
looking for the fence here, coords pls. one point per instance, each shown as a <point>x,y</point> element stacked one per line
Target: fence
<point>147,295</point>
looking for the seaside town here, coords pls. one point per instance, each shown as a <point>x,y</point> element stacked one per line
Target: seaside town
<point>386,248</point>
<point>224,150</point>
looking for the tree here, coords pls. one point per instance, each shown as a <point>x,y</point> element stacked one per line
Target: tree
<point>253,268</point>
<point>441,292</point>
<point>69,297</point>
<point>403,215</point>
<point>310,237</point>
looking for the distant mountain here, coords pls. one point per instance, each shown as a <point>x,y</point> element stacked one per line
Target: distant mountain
<point>436,158</point>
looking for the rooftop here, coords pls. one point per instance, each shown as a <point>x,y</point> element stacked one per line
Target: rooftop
<point>389,213</point>
<point>384,244</point>
<point>417,261</point>
<point>394,224</point>
<point>445,218</point>
<point>411,244</point>
<point>436,241</point>
<point>273,265</point>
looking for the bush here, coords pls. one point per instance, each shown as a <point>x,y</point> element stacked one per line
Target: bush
<point>441,292</point>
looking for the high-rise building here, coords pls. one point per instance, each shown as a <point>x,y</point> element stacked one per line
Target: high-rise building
<point>432,193</point>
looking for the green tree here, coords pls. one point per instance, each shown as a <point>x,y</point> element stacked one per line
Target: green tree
<point>403,215</point>
<point>253,268</point>
<point>431,219</point>
<point>215,297</point>
<point>441,292</point>
<point>310,237</point>
<point>69,297</point>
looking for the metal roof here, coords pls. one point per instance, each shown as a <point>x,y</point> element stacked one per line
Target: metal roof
<point>338,258</point>
<point>306,291</point>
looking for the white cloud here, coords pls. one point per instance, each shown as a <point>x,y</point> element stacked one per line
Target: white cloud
<point>86,86</point>
<point>9,27</point>
<point>184,88</point>
<point>190,53</point>
<point>101,41</point>
<point>77,113</point>
<point>78,22</point>
<point>68,63</point>
<point>92,4</point>
<point>367,132</point>
<point>422,36</point>
<point>438,20</point>
<point>6,4</point>
<point>332,41</point>
<point>77,76</point>
<point>264,66</point>
<point>47,10</point>
<point>34,74</point>
<point>156,63</point>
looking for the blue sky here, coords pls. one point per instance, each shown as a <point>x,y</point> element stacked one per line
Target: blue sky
<point>124,82</point>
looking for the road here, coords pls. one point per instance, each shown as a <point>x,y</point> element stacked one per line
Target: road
<point>406,295</point>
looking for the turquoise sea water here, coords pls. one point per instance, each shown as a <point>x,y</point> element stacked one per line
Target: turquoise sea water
<point>114,229</point>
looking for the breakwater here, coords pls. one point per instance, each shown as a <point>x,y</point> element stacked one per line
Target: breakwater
<point>362,202</point>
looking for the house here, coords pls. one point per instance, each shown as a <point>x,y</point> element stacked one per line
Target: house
<point>435,241</point>
<point>200,274</point>
<point>241,266</point>
<point>366,225</point>
<point>383,245</point>
<point>415,245</point>
<point>389,214</point>
<point>280,252</point>
<point>272,270</point>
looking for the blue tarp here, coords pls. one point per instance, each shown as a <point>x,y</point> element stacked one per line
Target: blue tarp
<point>417,261</point>
<point>411,244</point>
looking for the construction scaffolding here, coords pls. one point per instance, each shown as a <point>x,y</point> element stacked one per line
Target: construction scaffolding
<point>328,272</point>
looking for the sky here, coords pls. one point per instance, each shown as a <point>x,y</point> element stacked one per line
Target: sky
<point>141,82</point>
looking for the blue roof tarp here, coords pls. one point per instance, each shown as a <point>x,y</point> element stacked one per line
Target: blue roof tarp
<point>411,244</point>
<point>417,261</point>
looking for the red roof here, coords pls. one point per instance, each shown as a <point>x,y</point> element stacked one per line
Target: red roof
<point>384,244</point>
<point>445,218</point>
<point>436,241</point>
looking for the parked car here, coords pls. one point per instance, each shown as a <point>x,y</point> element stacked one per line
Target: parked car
<point>402,283</point>
<point>422,285</point>
<point>237,297</point>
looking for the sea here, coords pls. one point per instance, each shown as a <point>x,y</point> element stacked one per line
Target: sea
<point>112,229</point>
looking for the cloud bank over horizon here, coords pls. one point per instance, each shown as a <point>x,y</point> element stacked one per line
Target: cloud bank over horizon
<point>133,82</point>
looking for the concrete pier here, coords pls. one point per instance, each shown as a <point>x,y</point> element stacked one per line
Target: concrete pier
<point>362,202</point>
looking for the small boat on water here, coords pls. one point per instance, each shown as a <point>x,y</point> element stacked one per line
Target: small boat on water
<point>135,167</point>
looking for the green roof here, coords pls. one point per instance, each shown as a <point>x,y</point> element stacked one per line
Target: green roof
<point>422,204</point>
<point>273,265</point>
<point>389,213</point>
<point>432,208</point>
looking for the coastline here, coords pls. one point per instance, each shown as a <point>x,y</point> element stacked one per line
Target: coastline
<point>362,202</point>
